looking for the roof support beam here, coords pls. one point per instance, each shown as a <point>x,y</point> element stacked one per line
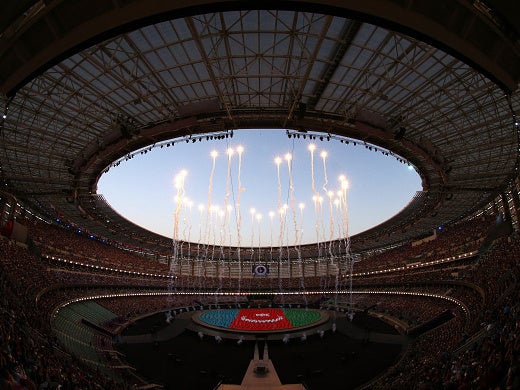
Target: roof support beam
<point>347,36</point>
<point>28,47</point>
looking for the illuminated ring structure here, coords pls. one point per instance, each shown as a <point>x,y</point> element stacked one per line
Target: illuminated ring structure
<point>261,320</point>
<point>261,270</point>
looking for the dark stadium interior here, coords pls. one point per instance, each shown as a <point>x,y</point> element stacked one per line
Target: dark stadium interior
<point>335,361</point>
<point>428,299</point>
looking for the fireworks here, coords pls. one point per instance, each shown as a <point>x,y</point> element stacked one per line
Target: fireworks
<point>220,223</point>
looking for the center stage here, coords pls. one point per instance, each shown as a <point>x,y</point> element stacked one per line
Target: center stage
<point>261,321</point>
<point>176,356</point>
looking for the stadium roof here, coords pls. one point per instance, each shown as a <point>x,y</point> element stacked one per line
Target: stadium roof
<point>86,83</point>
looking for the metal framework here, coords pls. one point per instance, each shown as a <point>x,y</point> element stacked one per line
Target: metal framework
<point>138,74</point>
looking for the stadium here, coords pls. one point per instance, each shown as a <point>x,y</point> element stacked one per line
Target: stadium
<point>426,299</point>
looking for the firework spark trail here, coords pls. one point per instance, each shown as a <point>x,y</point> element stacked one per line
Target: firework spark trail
<point>330,194</point>
<point>222,230</point>
<point>288,157</point>
<point>315,197</point>
<point>211,258</point>
<point>315,201</point>
<point>190,226</point>
<point>312,148</point>
<point>343,199</point>
<point>281,212</point>
<point>214,226</point>
<point>230,153</point>
<point>259,217</point>
<point>339,221</point>
<point>338,228</point>
<point>278,161</point>
<point>201,211</point>
<point>179,198</point>
<point>346,237</point>
<point>240,150</point>
<point>271,217</point>
<point>179,185</point>
<point>320,228</point>
<point>183,217</point>
<point>252,211</point>
<point>199,272</point>
<point>229,210</point>
<point>213,155</point>
<point>220,261</point>
<point>301,206</point>
<point>324,155</point>
<point>209,215</point>
<point>339,202</point>
<point>181,239</point>
<point>319,223</point>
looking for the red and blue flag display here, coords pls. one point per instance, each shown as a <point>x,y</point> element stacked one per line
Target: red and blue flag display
<point>261,319</point>
<point>264,319</point>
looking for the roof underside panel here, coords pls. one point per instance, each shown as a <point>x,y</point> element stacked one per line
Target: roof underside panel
<point>256,67</point>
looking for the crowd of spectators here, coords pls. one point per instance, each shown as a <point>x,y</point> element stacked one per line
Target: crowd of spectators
<point>30,359</point>
<point>131,307</point>
<point>413,310</point>
<point>491,362</point>
<point>57,241</point>
<point>33,287</point>
<point>93,278</point>
<point>440,359</point>
<point>76,246</point>
<point>497,270</point>
<point>452,270</point>
<point>451,241</point>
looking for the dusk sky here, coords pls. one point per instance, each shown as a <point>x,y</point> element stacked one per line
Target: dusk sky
<point>268,211</point>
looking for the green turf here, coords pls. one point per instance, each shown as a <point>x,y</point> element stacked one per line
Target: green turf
<point>302,317</point>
